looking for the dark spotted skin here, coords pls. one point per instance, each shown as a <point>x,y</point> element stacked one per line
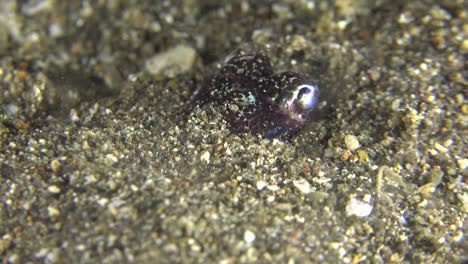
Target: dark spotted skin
<point>255,100</point>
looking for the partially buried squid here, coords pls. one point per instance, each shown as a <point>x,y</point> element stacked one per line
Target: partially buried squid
<point>255,100</point>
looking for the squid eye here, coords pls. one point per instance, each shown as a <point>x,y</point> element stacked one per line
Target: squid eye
<point>306,95</point>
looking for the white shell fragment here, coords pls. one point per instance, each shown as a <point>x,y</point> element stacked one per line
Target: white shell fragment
<point>358,207</point>
<point>174,61</point>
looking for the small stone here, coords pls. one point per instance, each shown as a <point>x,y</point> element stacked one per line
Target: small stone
<point>110,159</point>
<point>205,157</point>
<point>464,109</point>
<point>52,211</point>
<point>273,188</point>
<point>412,156</point>
<point>5,242</point>
<point>298,42</point>
<point>103,201</point>
<point>430,99</point>
<point>282,11</point>
<point>363,157</point>
<point>260,185</point>
<point>261,36</point>
<point>73,115</point>
<point>55,164</point>
<point>351,142</point>
<point>36,7</point>
<point>12,109</point>
<point>53,189</point>
<point>440,148</point>
<point>396,104</point>
<point>464,45</point>
<point>462,164</point>
<point>56,30</point>
<point>374,74</point>
<point>249,236</point>
<point>447,143</point>
<point>302,185</point>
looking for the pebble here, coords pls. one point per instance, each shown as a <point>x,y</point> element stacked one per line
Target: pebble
<point>249,236</point>
<point>73,116</point>
<point>363,157</point>
<point>412,156</point>
<point>53,189</point>
<point>12,109</point>
<point>55,164</point>
<point>52,211</point>
<point>35,7</point>
<point>273,188</point>
<point>172,62</point>
<point>261,35</point>
<point>303,186</point>
<point>464,45</point>
<point>352,143</point>
<point>440,148</point>
<point>261,185</point>
<point>205,157</point>
<point>447,143</point>
<point>462,164</point>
